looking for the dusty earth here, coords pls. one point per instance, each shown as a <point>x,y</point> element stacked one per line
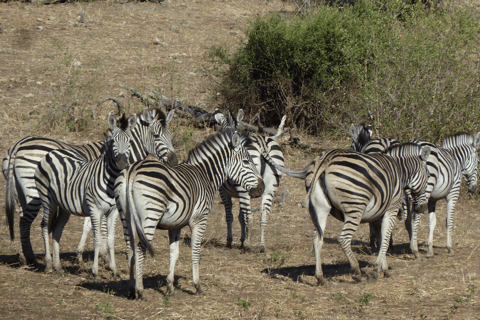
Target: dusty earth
<point>50,80</point>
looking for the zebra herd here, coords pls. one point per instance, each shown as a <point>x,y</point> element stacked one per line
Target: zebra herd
<point>371,183</point>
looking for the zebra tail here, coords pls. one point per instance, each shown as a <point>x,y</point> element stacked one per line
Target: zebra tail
<point>280,129</point>
<point>131,212</point>
<point>10,197</point>
<point>321,163</point>
<point>302,174</point>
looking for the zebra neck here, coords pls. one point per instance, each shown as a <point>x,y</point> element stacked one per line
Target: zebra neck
<point>210,167</point>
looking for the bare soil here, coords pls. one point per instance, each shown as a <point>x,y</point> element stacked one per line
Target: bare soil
<point>51,79</point>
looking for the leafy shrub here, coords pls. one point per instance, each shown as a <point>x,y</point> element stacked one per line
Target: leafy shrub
<point>409,71</point>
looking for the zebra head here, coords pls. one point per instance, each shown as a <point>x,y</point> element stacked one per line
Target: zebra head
<point>417,178</point>
<point>241,169</point>
<point>464,149</point>
<point>360,136</point>
<point>163,147</point>
<point>118,137</point>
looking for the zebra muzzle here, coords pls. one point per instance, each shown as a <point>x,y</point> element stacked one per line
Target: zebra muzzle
<point>421,208</point>
<point>122,161</point>
<point>258,190</point>
<point>473,189</point>
<point>172,159</point>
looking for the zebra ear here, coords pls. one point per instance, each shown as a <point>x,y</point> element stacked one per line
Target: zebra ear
<point>476,141</point>
<point>147,115</point>
<point>219,117</point>
<point>425,153</point>
<point>132,121</point>
<point>352,132</point>
<point>169,117</point>
<point>370,131</point>
<point>236,140</point>
<point>239,116</point>
<point>112,122</point>
<point>231,123</point>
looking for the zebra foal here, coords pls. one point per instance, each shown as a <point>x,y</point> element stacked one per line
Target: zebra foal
<point>150,195</point>
<point>258,145</point>
<point>358,188</point>
<point>150,136</point>
<point>65,179</point>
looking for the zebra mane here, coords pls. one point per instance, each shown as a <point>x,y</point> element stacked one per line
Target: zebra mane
<point>360,135</point>
<point>159,115</point>
<point>216,138</point>
<point>122,123</point>
<point>458,138</point>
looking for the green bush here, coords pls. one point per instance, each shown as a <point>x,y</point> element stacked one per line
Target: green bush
<point>409,71</point>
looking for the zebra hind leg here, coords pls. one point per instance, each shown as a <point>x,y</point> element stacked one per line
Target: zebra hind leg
<point>388,222</point>
<point>266,206</point>
<point>30,211</point>
<point>60,223</point>
<point>350,226</point>
<point>174,236</point>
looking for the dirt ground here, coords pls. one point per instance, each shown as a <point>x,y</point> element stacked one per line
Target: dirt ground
<point>159,46</point>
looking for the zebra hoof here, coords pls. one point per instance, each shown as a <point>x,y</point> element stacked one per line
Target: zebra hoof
<point>131,293</point>
<point>79,259</point>
<point>321,281</point>
<point>357,278</point>
<point>416,254</point>
<point>229,243</point>
<point>261,249</point>
<point>199,289</point>
<point>451,253</point>
<point>170,289</point>
<point>387,274</point>
<point>61,272</point>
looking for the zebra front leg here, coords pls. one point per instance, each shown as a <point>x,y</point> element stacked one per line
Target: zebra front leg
<point>58,227</point>
<point>227,202</point>
<point>245,218</point>
<point>98,238</point>
<point>413,239</point>
<point>87,227</point>
<point>111,223</point>
<point>319,208</point>
<point>451,202</point>
<point>174,237</point>
<point>388,222</point>
<point>197,234</point>
<point>432,222</point>
<point>266,207</point>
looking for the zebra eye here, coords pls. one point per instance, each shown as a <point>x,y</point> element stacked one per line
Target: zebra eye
<point>246,162</point>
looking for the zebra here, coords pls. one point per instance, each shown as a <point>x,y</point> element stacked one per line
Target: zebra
<point>457,156</point>
<point>271,177</point>
<point>64,178</point>
<point>362,140</point>
<point>22,158</point>
<point>358,188</point>
<point>151,195</point>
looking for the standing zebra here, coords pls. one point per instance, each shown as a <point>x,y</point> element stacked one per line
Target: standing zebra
<point>64,178</point>
<point>151,195</point>
<point>457,157</point>
<point>358,188</point>
<point>150,136</point>
<point>258,145</point>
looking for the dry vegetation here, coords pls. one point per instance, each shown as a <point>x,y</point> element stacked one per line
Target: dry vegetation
<point>43,90</point>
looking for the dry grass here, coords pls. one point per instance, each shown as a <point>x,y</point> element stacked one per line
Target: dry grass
<point>117,45</point>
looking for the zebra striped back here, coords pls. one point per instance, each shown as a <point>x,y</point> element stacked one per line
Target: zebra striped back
<point>151,195</point>
<point>464,150</point>
<point>379,145</point>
